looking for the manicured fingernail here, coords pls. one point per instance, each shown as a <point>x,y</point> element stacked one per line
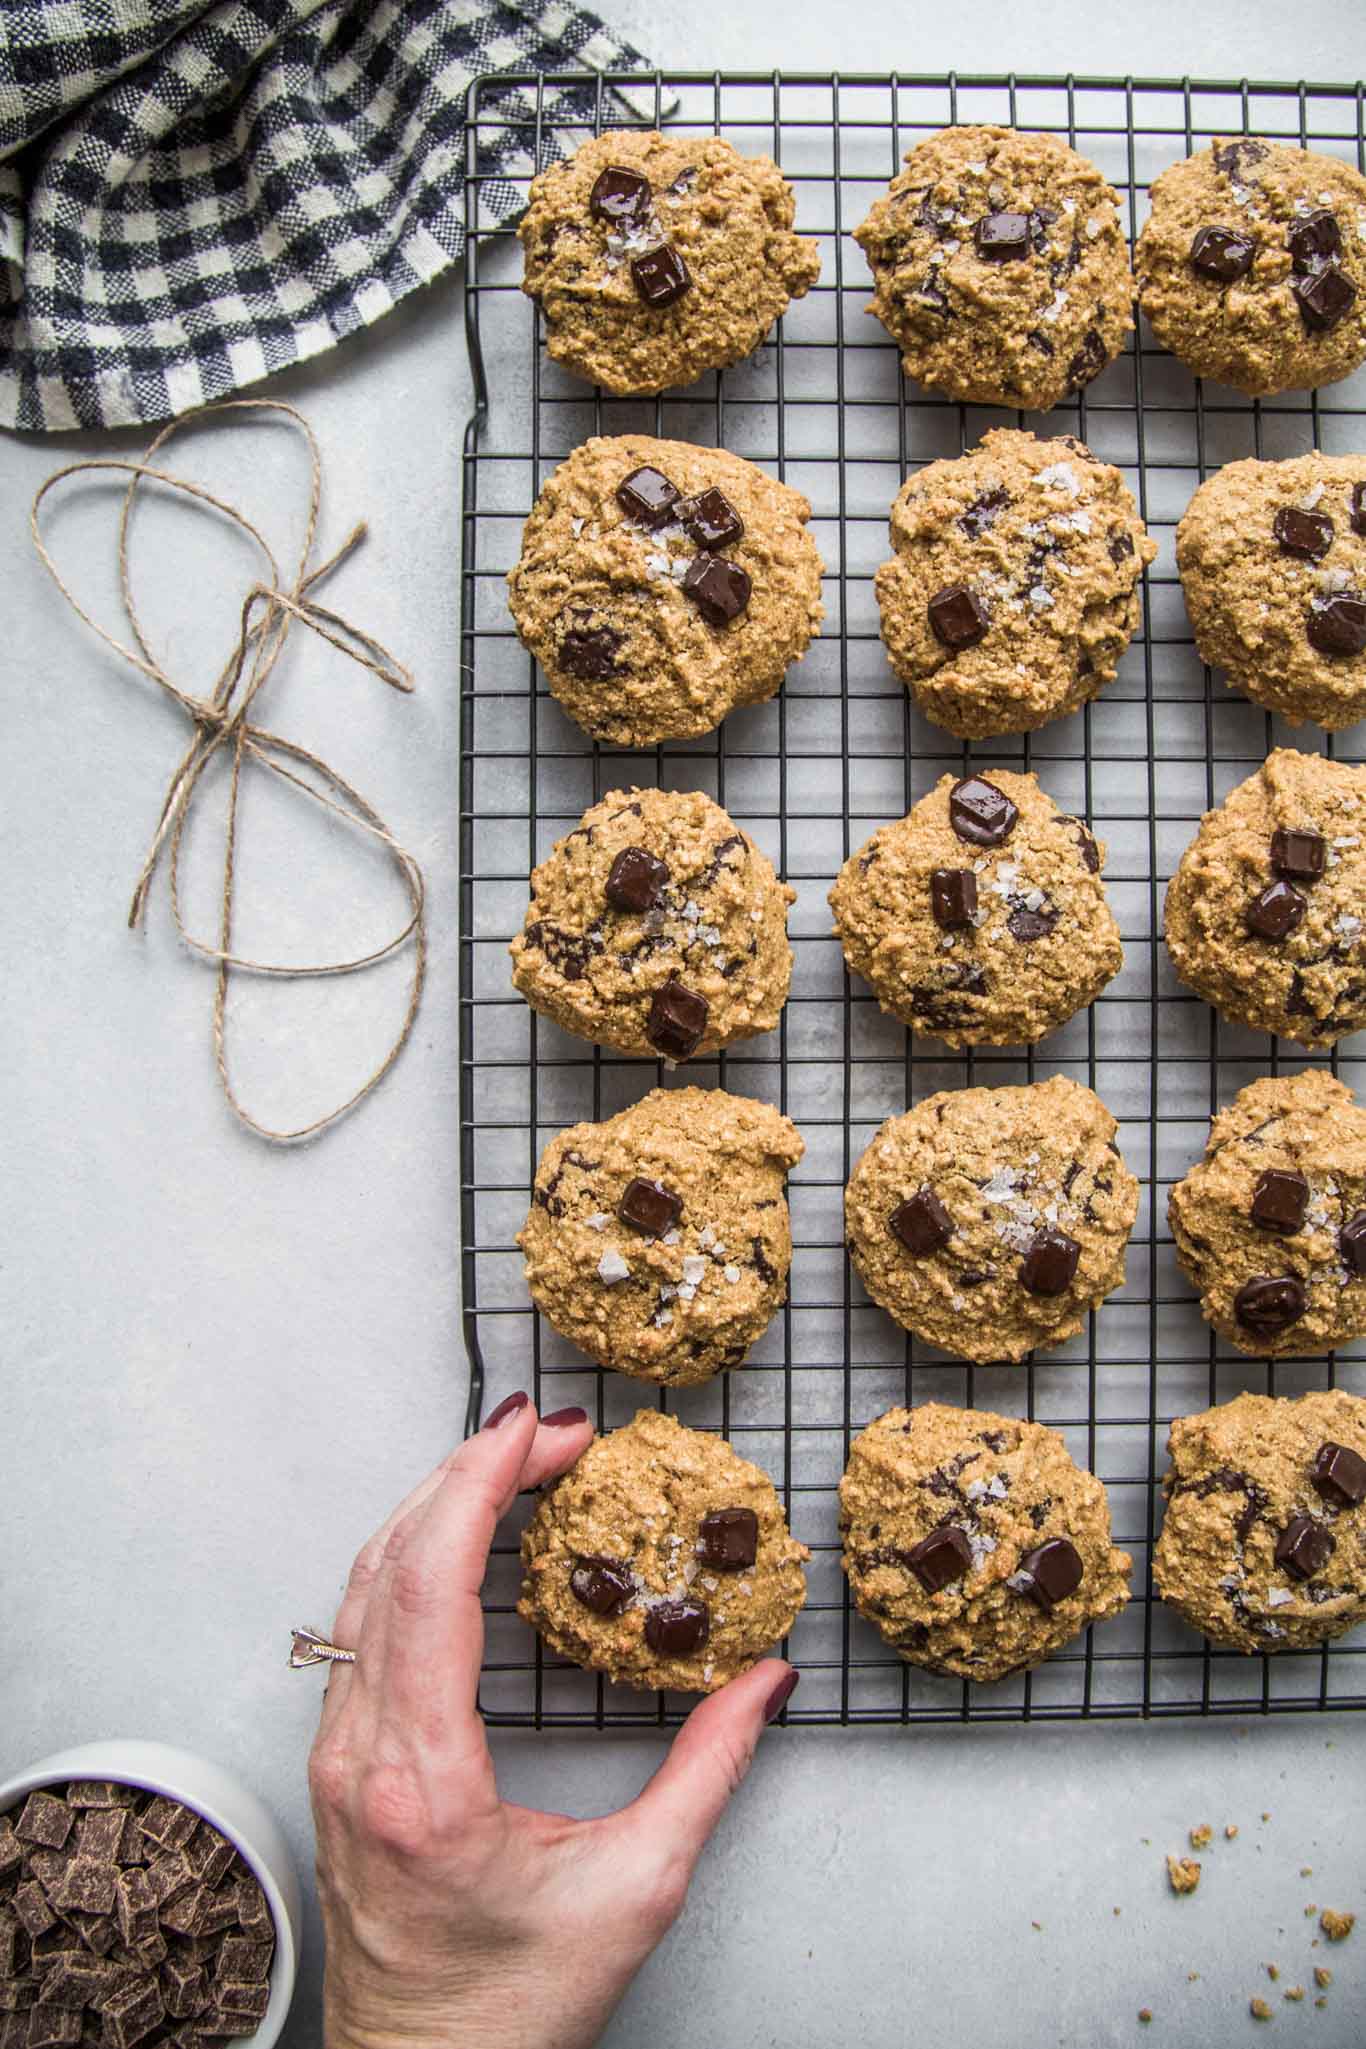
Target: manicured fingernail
<point>781,1695</point>
<point>508,1407</point>
<point>563,1419</point>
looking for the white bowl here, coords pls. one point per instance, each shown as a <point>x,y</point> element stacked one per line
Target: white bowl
<point>221,1800</point>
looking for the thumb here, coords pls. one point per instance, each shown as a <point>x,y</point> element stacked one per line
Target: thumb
<point>708,1759</point>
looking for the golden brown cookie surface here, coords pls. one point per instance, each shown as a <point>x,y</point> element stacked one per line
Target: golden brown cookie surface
<point>663,1559</point>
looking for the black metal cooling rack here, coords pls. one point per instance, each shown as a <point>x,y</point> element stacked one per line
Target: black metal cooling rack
<point>839,751</point>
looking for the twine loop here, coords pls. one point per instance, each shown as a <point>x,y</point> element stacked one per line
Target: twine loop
<point>221,721</point>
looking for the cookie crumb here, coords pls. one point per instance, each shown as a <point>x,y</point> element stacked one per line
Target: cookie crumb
<point>1266,1817</point>
<point>1183,1874</point>
<point>1273,1972</point>
<point>1337,1927</point>
<point>1306,1871</point>
<point>1038,1925</point>
<point>1293,1992</point>
<point>1145,2014</point>
<point>1323,1977</point>
<point>1311,1909</point>
<point>1191,1977</point>
<point>1259,2010</point>
<point>1231,1830</point>
<point>1320,2001</point>
<point>1202,1836</point>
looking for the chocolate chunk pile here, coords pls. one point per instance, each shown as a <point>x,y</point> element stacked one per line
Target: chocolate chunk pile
<point>125,1918</point>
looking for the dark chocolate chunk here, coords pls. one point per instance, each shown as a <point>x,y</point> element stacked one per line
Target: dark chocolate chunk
<point>1120,546</point>
<point>1235,158</point>
<point>1337,625</point>
<point>650,1207</point>
<point>243,2004</point>
<point>647,497</point>
<point>677,1628</point>
<point>661,276</point>
<point>1279,1201</point>
<point>1304,1547</point>
<point>720,589</point>
<point>1313,239</point>
<point>1298,855</point>
<point>46,1820</point>
<point>1323,297</point>
<point>677,1020</point>
<point>1276,911</point>
<point>1002,236</point>
<point>620,196</point>
<point>635,880</point>
<point>953,896</point>
<point>1024,924</point>
<point>602,1584</point>
<point>958,618</point>
<point>1352,1244</point>
<point>1269,1303</point>
<point>1086,845</point>
<point>29,1902</point>
<point>88,1884</point>
<point>1357,515</point>
<point>982,512</point>
<point>1306,534</point>
<point>1339,1474</point>
<point>1222,254</point>
<point>1051,1573</point>
<point>1088,362</point>
<point>1050,1263</point>
<point>980,813</point>
<point>728,1539</point>
<point>921,1223</point>
<point>590,653</point>
<point>941,1558</point>
<point>710,520</point>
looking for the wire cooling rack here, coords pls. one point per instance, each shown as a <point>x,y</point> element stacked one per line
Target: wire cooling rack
<point>808,776</point>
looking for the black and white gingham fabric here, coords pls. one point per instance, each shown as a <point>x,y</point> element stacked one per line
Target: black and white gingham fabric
<point>193,195</point>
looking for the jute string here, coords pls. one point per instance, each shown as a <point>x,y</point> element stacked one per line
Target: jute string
<point>221,720</point>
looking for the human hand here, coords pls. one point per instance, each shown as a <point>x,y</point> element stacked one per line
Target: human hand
<point>453,1917</point>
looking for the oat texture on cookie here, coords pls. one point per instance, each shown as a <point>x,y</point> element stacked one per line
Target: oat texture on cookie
<point>656,927</point>
<point>973,1542</point>
<point>658,1241</point>
<point>661,584</point>
<point>1000,267</point>
<point>1266,914</point>
<point>991,1221</point>
<point>1252,265</point>
<point>1272,558</point>
<point>1013,588</point>
<point>654,258</point>
<point>1270,1226</point>
<point>662,1558</point>
<point>980,917</point>
<point>1263,1544</point>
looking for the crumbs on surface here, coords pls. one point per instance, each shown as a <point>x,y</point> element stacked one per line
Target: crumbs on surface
<point>1145,2014</point>
<point>1231,1830</point>
<point>1183,1874</point>
<point>1201,1837</point>
<point>1323,1977</point>
<point>1337,1927</point>
<point>1259,2010</point>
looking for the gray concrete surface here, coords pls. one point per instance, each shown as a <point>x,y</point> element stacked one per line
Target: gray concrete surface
<point>224,1363</point>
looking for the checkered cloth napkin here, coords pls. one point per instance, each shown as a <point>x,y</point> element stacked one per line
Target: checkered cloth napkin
<point>193,195</point>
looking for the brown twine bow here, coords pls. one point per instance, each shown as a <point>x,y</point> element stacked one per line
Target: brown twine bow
<point>221,720</point>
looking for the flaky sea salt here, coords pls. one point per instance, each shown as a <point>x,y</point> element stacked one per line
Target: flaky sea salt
<point>1059,476</point>
<point>598,1222</point>
<point>694,1268</point>
<point>612,1267</point>
<point>731,1274</point>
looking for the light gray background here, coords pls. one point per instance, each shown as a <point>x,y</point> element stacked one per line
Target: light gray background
<point>224,1363</point>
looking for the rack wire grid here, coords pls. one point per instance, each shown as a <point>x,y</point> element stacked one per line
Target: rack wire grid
<point>838,752</point>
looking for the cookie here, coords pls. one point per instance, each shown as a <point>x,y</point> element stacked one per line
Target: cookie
<point>1266,914</point>
<point>973,1543</point>
<point>1270,1226</point>
<point>1272,558</point>
<point>990,1221</point>
<point>1013,590</point>
<point>660,585</point>
<point>657,928</point>
<point>1252,265</point>
<point>1263,1547</point>
<point>979,917</point>
<point>1000,267</point>
<point>654,257</point>
<point>658,1241</point>
<point>662,1558</point>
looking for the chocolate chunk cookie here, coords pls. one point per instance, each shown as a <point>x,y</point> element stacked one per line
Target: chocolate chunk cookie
<point>1252,265</point>
<point>662,1559</point>
<point>1272,558</point>
<point>1013,590</point>
<point>973,1543</point>
<point>1000,267</point>
<point>658,1241</point>
<point>980,916</point>
<point>656,927</point>
<point>660,585</point>
<point>989,1221</point>
<point>1264,1543</point>
<point>654,257</point>
<point>1266,915</point>
<point>1270,1225</point>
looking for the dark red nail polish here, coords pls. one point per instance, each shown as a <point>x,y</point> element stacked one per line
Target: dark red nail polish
<point>781,1695</point>
<point>562,1419</point>
<point>508,1407</point>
